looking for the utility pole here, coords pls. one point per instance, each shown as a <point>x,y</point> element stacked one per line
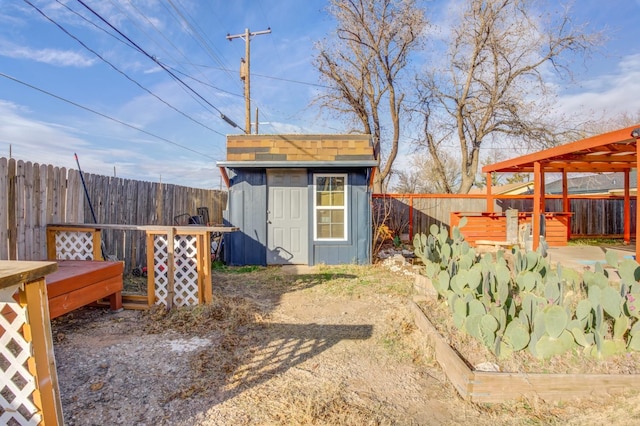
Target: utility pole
<point>245,71</point>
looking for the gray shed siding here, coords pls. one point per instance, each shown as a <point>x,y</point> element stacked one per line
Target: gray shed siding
<point>247,209</point>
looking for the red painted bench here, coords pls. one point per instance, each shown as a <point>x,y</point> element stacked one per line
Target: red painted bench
<point>78,283</point>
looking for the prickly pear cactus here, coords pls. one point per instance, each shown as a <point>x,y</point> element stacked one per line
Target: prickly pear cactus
<point>532,306</point>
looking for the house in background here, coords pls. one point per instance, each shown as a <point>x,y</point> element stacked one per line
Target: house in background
<point>596,183</point>
<point>516,188</point>
<point>298,199</point>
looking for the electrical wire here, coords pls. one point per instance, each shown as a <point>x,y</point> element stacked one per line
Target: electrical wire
<point>120,71</point>
<point>155,60</point>
<point>196,34</point>
<point>204,83</point>
<point>173,45</point>
<point>131,126</point>
<point>132,47</point>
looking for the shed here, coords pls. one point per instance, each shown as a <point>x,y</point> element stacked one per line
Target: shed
<point>298,199</point>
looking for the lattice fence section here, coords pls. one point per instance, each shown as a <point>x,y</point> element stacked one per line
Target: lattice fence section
<point>18,383</point>
<point>185,275</point>
<point>74,245</point>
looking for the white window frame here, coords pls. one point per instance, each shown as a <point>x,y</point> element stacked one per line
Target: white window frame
<point>316,207</point>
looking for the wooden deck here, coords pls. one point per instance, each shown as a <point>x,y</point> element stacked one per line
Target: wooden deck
<point>78,283</point>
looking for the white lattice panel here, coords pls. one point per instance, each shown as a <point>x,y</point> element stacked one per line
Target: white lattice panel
<point>160,261</point>
<point>74,245</point>
<point>185,278</point>
<point>17,383</point>
<point>186,271</point>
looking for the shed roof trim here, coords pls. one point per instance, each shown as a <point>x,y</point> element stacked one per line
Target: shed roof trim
<point>304,137</point>
<point>296,164</point>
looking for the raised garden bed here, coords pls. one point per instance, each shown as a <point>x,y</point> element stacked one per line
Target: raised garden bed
<point>496,387</point>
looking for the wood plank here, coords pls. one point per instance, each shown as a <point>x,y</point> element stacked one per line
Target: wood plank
<point>67,302</point>
<point>4,208</point>
<point>495,387</point>
<point>29,213</point>
<point>129,301</point>
<point>458,373</point>
<point>11,211</point>
<point>74,274</point>
<point>151,269</point>
<point>48,399</point>
<point>13,272</point>
<point>62,192</point>
<point>40,234</point>
<point>500,387</point>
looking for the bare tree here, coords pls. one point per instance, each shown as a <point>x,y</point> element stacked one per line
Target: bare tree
<point>609,124</point>
<point>363,66</point>
<point>421,178</point>
<point>492,83</point>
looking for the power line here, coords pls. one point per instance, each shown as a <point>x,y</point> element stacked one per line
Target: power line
<point>288,80</point>
<point>196,34</point>
<point>203,82</point>
<point>132,47</point>
<point>103,115</point>
<point>120,71</point>
<point>176,48</point>
<point>153,58</point>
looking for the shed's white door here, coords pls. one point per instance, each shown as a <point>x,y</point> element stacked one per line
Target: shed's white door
<point>287,217</point>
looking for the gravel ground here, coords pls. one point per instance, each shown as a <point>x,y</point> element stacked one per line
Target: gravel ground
<point>336,346</point>
<point>310,341</point>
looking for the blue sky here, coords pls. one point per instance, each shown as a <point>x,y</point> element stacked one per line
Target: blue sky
<point>189,38</point>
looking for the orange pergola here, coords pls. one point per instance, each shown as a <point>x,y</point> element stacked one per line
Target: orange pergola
<point>615,151</point>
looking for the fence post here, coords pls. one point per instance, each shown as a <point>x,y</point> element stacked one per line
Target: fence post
<point>410,217</point>
<point>30,383</point>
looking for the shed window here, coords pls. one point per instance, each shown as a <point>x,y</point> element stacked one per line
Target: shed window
<point>330,204</point>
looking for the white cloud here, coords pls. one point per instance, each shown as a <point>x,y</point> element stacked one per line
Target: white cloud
<point>33,140</point>
<point>65,58</point>
<point>608,94</point>
<point>42,142</point>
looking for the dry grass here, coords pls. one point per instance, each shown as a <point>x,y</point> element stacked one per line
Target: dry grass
<point>237,321</point>
<point>327,404</point>
<point>263,367</point>
<point>134,285</point>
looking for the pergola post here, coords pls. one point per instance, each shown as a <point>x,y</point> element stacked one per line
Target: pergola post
<point>543,201</point>
<point>489,193</point>
<point>627,208</point>
<point>537,190</point>
<point>635,134</point>
<point>566,204</point>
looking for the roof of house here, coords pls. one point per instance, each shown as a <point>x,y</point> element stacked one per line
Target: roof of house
<point>593,183</point>
<point>299,151</point>
<point>507,189</point>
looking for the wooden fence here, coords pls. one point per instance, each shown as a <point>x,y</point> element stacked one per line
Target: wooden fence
<point>34,195</point>
<point>409,214</point>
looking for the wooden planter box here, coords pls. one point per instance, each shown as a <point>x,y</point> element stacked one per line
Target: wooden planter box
<point>491,387</point>
<point>493,226</point>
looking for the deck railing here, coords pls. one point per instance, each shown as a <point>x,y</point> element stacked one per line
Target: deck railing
<point>178,259</point>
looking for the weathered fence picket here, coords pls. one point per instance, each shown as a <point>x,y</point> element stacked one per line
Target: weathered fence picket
<point>33,195</point>
<point>592,216</point>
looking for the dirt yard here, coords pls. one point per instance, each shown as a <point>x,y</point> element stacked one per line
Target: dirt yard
<point>334,346</point>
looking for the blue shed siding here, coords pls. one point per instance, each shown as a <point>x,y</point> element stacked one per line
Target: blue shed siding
<point>358,246</point>
<point>247,211</point>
